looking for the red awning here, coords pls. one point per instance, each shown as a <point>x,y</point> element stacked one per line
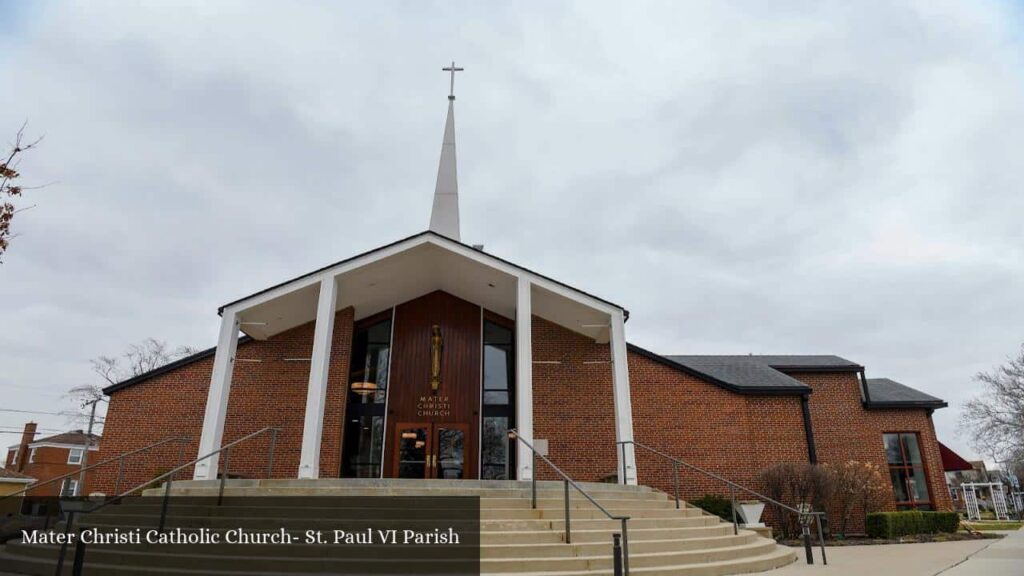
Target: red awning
<point>951,461</point>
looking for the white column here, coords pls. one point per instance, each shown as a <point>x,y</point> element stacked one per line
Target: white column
<point>316,394</point>
<point>623,404</point>
<point>217,397</point>
<point>524,379</point>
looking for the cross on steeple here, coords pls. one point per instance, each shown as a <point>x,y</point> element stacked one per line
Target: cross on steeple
<point>453,70</point>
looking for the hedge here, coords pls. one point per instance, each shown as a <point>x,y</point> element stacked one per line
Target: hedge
<point>895,524</point>
<point>713,504</point>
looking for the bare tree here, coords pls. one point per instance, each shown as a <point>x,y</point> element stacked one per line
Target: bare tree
<point>138,359</point>
<point>995,418</point>
<point>855,484</point>
<point>9,191</point>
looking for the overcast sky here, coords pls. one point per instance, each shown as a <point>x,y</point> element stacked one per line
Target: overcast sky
<point>806,178</point>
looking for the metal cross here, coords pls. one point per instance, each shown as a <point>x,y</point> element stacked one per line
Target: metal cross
<point>453,70</point>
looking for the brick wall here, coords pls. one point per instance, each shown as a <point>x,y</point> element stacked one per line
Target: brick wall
<point>573,406</point>
<point>728,434</point>
<point>844,430</point>
<point>52,462</point>
<point>271,392</point>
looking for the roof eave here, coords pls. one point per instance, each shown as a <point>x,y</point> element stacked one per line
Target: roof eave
<point>745,390</point>
<point>907,405</point>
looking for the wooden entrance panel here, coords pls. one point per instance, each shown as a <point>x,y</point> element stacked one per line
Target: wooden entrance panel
<point>455,406</point>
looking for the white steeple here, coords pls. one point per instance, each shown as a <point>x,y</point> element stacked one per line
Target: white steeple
<point>444,217</point>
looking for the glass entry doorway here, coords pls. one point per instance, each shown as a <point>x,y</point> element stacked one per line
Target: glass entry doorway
<point>430,450</point>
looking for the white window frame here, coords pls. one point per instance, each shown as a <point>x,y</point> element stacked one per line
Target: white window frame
<point>32,456</point>
<point>14,458</point>
<point>71,483</point>
<point>71,455</point>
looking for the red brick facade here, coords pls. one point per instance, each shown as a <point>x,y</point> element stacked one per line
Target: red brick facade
<point>733,435</point>
<point>45,461</point>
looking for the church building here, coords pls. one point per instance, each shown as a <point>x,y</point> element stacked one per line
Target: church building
<point>415,359</point>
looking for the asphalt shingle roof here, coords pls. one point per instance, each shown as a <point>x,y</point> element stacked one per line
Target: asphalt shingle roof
<point>73,437</point>
<point>8,473</point>
<point>886,391</point>
<point>762,372</point>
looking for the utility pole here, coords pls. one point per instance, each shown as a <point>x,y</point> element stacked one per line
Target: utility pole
<point>88,442</point>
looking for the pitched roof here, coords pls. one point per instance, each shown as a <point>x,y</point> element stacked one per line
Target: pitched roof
<point>886,393</point>
<point>76,437</point>
<point>14,475</point>
<point>763,373</point>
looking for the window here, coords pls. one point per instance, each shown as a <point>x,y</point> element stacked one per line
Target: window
<point>32,456</point>
<point>13,455</point>
<point>69,487</point>
<point>906,469</point>
<point>367,397</point>
<point>75,456</point>
<point>498,385</point>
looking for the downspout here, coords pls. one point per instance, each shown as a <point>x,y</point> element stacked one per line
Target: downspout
<point>805,407</point>
<point>864,387</point>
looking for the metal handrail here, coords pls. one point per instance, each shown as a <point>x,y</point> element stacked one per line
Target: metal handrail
<point>676,462</point>
<point>223,476</point>
<point>567,481</point>
<point>79,471</point>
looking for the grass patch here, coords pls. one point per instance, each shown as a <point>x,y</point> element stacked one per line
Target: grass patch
<point>992,525</point>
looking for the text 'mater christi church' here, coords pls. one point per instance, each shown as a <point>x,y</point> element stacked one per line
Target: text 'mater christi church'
<point>414,359</point>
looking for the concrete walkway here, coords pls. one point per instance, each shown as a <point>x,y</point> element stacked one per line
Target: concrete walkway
<point>1004,557</point>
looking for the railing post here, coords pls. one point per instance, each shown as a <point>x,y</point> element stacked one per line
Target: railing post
<point>120,474</point>
<point>821,538</point>
<point>804,520</point>
<point>675,477</point>
<point>181,453</point>
<point>164,504</point>
<point>76,567</point>
<point>568,532</point>
<point>533,476</point>
<point>732,495</point>
<point>625,547</point>
<point>617,554</point>
<point>224,475</point>
<point>64,545</point>
<point>270,453</point>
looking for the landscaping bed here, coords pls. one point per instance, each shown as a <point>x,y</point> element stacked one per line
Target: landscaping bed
<point>915,539</point>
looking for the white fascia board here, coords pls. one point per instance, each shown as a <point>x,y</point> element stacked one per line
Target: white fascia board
<point>516,272</point>
<point>298,284</point>
<point>68,446</point>
<point>17,480</point>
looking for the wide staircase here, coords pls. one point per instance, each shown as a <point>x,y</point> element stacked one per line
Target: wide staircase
<point>515,538</point>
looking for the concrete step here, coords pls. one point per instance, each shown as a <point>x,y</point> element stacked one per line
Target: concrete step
<point>780,556</point>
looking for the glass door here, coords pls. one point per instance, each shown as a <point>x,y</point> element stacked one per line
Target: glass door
<point>413,451</point>
<point>450,451</point>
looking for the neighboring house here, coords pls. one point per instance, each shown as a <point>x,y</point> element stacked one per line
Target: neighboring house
<point>11,482</point>
<point>52,457</point>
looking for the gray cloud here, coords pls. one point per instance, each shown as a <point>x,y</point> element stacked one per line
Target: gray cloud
<point>807,178</point>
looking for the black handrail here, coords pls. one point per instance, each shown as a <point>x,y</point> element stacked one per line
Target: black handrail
<point>226,449</point>
<point>567,481</point>
<point>79,471</point>
<point>733,487</point>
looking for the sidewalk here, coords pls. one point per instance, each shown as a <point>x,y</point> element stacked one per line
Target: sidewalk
<point>1004,557</point>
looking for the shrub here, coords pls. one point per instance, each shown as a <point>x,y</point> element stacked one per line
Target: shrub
<point>795,484</point>
<point>714,504</point>
<point>891,525</point>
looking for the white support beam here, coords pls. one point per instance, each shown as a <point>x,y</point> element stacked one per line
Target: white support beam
<point>316,394</point>
<point>217,397</point>
<point>623,404</point>
<point>524,378</point>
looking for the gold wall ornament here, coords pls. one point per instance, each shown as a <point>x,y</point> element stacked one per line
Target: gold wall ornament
<point>436,345</point>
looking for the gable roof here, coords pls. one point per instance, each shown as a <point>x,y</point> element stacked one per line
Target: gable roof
<point>8,474</point>
<point>75,437</point>
<point>443,239</point>
<point>886,393</point>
